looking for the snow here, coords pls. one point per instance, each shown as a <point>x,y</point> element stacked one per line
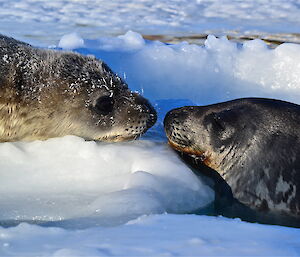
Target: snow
<point>97,183</point>
<point>130,41</point>
<point>155,235</point>
<point>69,197</point>
<point>35,19</point>
<point>71,41</point>
<point>192,72</point>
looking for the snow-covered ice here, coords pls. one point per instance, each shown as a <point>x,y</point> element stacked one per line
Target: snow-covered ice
<point>229,70</point>
<point>158,235</point>
<point>36,19</point>
<point>83,183</point>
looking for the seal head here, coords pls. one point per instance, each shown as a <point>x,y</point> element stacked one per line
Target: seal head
<point>253,143</point>
<point>48,93</point>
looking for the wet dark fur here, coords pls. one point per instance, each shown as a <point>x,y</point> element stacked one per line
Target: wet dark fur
<point>253,144</point>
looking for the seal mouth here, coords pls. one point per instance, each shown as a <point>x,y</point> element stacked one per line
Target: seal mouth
<point>198,155</point>
<point>133,130</point>
<point>119,138</point>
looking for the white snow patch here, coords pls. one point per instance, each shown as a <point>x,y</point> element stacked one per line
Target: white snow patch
<point>71,41</point>
<point>65,179</point>
<point>158,235</point>
<point>219,71</point>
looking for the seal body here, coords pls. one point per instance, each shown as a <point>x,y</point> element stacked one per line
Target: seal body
<point>48,93</point>
<point>253,143</point>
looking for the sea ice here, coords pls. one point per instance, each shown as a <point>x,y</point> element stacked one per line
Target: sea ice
<point>46,21</point>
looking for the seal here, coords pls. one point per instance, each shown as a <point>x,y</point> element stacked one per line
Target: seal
<point>50,93</point>
<point>252,143</point>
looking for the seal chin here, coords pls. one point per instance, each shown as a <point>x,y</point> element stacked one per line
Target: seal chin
<point>181,137</point>
<point>197,154</point>
<point>130,131</point>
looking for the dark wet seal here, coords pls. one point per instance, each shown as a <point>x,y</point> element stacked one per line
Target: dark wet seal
<point>251,148</point>
<point>48,93</point>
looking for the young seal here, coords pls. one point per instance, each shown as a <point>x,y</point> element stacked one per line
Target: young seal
<point>48,93</point>
<point>253,143</point>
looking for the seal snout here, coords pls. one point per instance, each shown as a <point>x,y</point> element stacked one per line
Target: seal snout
<point>148,109</point>
<point>176,128</point>
<point>141,116</point>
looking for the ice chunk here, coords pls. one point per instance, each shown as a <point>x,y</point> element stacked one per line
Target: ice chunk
<point>71,41</point>
<point>128,42</point>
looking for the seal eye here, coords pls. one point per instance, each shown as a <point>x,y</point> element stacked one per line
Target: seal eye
<point>222,125</point>
<point>104,105</point>
<point>218,122</point>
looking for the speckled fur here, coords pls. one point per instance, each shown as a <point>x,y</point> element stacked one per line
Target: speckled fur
<point>48,93</point>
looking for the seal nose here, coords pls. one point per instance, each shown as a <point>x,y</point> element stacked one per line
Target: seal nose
<point>169,118</point>
<point>175,126</point>
<point>148,108</point>
<point>175,117</point>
